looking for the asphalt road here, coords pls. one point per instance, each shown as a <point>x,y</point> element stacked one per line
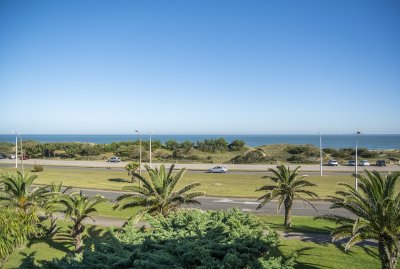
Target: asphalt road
<point>244,204</point>
<point>201,166</point>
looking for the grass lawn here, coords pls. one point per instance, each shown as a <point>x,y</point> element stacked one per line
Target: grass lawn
<point>312,255</point>
<point>231,185</point>
<point>105,210</point>
<point>46,249</point>
<point>300,224</point>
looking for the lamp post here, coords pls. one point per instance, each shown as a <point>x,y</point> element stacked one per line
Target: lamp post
<point>22,155</point>
<point>356,172</point>
<point>320,153</point>
<point>16,147</point>
<point>140,152</point>
<point>150,148</point>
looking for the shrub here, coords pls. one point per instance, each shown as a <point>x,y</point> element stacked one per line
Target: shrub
<point>37,168</point>
<point>187,239</point>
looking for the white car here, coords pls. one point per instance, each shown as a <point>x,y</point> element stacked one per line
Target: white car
<point>218,169</point>
<point>364,163</point>
<point>333,163</point>
<point>114,160</point>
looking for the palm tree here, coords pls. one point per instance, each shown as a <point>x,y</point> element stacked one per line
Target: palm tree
<point>157,194</point>
<point>16,228</point>
<point>132,168</point>
<point>289,186</point>
<point>55,191</point>
<point>77,207</point>
<point>18,191</point>
<point>376,206</point>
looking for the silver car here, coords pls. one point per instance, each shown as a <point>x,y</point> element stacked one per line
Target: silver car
<point>218,169</point>
<point>364,163</point>
<point>114,160</point>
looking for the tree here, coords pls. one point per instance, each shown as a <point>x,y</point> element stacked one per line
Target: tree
<point>77,207</point>
<point>16,228</point>
<point>19,192</point>
<point>52,197</point>
<point>132,168</point>
<point>376,205</point>
<point>157,195</point>
<point>236,145</point>
<point>289,186</point>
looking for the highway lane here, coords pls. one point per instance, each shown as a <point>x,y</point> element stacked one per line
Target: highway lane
<point>121,169</point>
<point>300,208</point>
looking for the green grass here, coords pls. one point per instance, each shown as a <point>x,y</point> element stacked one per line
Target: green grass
<point>300,224</point>
<point>105,210</point>
<point>312,255</point>
<point>46,249</point>
<point>227,185</point>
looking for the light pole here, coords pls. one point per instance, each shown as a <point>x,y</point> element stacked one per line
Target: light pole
<point>150,148</point>
<point>320,153</point>
<point>140,152</point>
<point>16,147</point>
<point>356,174</point>
<point>22,155</point>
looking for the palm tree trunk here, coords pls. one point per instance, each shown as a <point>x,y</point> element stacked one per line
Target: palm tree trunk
<point>77,236</point>
<point>288,212</point>
<point>388,259</point>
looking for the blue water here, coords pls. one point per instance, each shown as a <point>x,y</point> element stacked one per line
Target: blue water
<point>328,141</point>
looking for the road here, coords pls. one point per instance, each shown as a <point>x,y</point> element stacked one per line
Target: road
<point>244,204</point>
<point>200,167</point>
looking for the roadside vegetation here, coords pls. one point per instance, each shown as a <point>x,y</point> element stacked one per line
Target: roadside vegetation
<point>207,151</point>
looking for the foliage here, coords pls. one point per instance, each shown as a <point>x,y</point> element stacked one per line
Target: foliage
<point>16,228</point>
<point>19,192</point>
<point>77,207</point>
<point>158,195</point>
<point>376,205</point>
<point>236,145</point>
<point>132,168</point>
<point>288,186</point>
<point>37,168</point>
<point>186,239</point>
<point>212,145</point>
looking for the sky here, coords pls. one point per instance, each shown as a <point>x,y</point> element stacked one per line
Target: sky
<point>199,67</point>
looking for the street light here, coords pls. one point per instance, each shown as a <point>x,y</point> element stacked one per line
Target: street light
<point>16,147</point>
<point>356,174</point>
<point>140,152</point>
<point>320,153</point>
<point>150,148</point>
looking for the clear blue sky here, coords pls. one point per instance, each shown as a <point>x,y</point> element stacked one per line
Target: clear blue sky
<point>207,67</point>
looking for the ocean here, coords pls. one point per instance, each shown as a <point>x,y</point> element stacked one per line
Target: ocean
<point>337,141</point>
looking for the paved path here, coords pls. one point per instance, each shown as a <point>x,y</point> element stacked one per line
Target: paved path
<point>201,166</point>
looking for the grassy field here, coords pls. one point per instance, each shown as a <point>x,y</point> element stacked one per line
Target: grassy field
<point>45,249</point>
<point>228,185</point>
<point>310,255</point>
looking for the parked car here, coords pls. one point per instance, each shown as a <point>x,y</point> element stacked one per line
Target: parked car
<point>24,157</point>
<point>333,163</point>
<point>364,163</point>
<point>114,160</point>
<point>218,169</point>
<point>12,156</point>
<point>380,163</point>
<point>352,163</point>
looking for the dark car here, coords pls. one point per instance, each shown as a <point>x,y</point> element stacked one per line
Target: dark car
<point>380,163</point>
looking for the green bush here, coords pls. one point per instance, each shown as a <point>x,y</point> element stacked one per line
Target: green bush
<point>186,239</point>
<point>37,168</point>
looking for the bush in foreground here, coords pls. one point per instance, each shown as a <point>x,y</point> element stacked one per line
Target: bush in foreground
<point>186,239</point>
